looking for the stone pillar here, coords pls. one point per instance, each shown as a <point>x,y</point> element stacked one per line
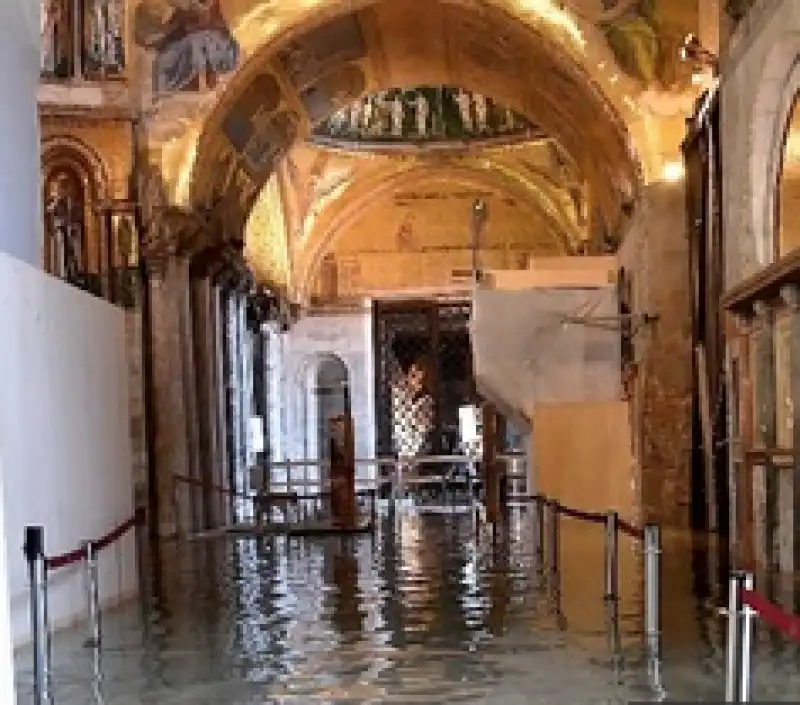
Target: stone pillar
<point>204,322</point>
<point>765,489</point>
<point>172,391</point>
<point>790,479</point>
<point>20,195</point>
<point>656,254</point>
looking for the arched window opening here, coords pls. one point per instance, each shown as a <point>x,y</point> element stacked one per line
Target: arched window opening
<point>788,215</point>
<point>332,382</point>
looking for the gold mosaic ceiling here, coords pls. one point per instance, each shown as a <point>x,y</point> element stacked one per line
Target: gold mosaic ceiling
<point>598,76</point>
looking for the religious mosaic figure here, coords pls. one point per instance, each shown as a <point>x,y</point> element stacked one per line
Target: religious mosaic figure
<point>424,112</point>
<point>57,38</point>
<point>105,48</point>
<point>64,225</point>
<point>464,101</point>
<point>397,117</point>
<point>356,109</point>
<point>422,115</point>
<point>481,112</point>
<point>193,44</point>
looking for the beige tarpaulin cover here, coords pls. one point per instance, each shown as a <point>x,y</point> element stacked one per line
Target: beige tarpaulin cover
<point>528,348</point>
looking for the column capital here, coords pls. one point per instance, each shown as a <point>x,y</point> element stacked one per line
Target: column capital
<point>762,311</point>
<point>790,294</point>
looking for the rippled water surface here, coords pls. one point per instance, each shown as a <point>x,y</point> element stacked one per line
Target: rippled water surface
<point>425,611</point>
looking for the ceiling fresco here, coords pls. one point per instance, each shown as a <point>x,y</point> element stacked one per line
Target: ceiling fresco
<point>422,114</point>
<point>230,86</point>
<point>319,195</point>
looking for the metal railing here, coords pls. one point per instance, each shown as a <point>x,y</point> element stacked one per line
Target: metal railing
<point>547,541</point>
<point>404,469</point>
<point>40,569</point>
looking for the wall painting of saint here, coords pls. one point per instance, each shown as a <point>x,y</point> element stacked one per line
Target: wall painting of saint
<point>192,42</point>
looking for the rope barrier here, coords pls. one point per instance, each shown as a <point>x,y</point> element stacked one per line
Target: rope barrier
<point>783,621</point>
<point>591,517</point>
<point>627,528</point>
<point>582,515</point>
<point>76,555</point>
<point>744,605</point>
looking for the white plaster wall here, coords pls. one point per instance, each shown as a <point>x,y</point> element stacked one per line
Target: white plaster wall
<point>525,354</point>
<point>20,195</point>
<point>64,435</point>
<point>20,225</point>
<point>7,694</point>
<point>293,373</point>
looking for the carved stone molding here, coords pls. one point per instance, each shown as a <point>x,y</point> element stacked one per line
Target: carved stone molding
<point>172,231</point>
<point>790,294</point>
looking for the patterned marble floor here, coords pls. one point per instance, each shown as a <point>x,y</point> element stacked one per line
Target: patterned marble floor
<point>424,612</point>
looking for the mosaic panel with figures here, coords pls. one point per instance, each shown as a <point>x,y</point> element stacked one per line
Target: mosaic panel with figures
<point>423,113</point>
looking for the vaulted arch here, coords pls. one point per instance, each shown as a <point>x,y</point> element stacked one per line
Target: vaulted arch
<point>303,75</point>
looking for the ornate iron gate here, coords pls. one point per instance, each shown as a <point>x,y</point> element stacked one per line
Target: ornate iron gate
<point>423,374</point>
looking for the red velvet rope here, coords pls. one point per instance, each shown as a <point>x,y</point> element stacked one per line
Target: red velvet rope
<point>629,529</point>
<point>787,623</point>
<point>78,554</point>
<point>592,517</point>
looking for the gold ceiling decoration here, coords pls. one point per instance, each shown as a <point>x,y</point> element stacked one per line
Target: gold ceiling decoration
<point>329,66</point>
<point>247,79</point>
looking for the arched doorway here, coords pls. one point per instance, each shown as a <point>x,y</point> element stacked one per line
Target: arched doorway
<point>331,391</point>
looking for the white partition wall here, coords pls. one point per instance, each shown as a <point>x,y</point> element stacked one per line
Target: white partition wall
<point>20,195</point>
<point>20,214</point>
<point>64,434</point>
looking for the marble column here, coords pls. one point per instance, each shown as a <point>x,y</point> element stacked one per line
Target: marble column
<point>173,392</point>
<point>204,321</point>
<point>765,488</point>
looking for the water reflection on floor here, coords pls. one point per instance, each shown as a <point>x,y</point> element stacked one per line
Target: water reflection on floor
<point>423,612</point>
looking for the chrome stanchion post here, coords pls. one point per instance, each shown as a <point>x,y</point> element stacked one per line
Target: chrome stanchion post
<point>611,551</point>
<point>732,660</point>
<point>746,670</point>
<point>652,604</point>
<point>92,595</point>
<point>37,575</point>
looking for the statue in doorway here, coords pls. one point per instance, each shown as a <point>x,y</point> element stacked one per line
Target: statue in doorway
<point>64,223</point>
<point>342,472</point>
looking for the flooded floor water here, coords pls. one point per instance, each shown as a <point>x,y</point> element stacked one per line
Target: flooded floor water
<point>425,611</point>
